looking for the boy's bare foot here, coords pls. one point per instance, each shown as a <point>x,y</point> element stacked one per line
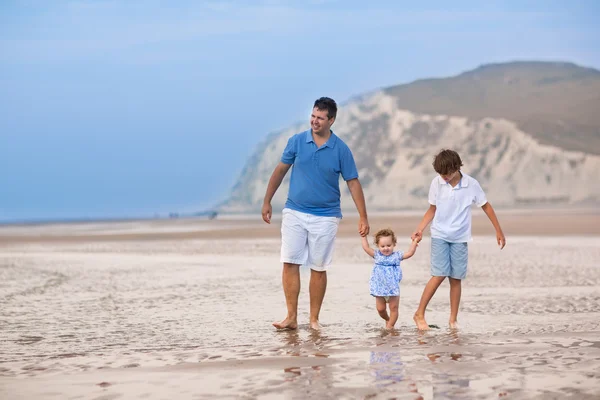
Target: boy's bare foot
<point>315,325</point>
<point>453,324</point>
<point>421,323</point>
<point>287,324</point>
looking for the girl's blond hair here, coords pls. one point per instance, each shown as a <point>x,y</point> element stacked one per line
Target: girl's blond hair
<point>385,233</point>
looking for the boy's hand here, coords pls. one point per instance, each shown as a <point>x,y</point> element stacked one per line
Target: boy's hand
<point>500,239</point>
<point>417,235</point>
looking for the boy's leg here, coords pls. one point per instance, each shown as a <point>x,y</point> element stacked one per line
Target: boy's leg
<point>428,293</point>
<point>394,302</point>
<point>440,269</point>
<point>459,258</point>
<point>381,307</point>
<point>455,291</point>
<point>291,288</point>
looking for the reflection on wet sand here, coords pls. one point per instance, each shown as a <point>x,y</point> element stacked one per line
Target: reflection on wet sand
<point>103,319</point>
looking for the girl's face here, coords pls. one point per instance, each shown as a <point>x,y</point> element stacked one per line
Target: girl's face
<point>386,245</point>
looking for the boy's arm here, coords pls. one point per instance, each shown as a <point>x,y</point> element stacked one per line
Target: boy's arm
<point>366,247</point>
<point>276,178</point>
<point>489,211</point>
<point>427,218</point>
<point>411,252</point>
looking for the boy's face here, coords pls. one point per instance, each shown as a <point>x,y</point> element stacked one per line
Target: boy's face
<point>385,245</point>
<point>450,176</point>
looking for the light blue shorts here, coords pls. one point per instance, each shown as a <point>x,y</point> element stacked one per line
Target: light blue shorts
<point>449,259</point>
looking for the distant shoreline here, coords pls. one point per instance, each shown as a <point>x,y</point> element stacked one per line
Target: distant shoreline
<point>516,222</point>
<point>251,215</point>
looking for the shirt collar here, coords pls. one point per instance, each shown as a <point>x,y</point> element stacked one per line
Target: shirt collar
<point>330,143</point>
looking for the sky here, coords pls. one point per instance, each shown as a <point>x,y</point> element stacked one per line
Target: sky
<point>112,109</point>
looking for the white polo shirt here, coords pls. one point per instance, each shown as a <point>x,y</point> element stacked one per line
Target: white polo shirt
<point>452,220</point>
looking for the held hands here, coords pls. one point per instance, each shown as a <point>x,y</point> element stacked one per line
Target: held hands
<point>267,211</point>
<point>363,227</point>
<point>416,236</point>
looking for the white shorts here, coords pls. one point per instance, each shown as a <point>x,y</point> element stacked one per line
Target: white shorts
<point>307,239</point>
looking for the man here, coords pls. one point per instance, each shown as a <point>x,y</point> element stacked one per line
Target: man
<point>312,211</point>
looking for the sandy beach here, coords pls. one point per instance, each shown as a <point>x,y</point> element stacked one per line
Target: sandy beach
<point>182,309</point>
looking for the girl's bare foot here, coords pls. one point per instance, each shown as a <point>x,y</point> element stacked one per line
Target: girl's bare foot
<point>421,323</point>
<point>315,325</point>
<point>453,324</point>
<point>288,324</point>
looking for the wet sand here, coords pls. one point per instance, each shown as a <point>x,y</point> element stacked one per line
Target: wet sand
<point>182,309</point>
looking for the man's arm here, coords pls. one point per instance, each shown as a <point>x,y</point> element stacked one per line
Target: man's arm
<point>489,211</point>
<point>276,178</point>
<point>359,199</point>
<point>427,218</point>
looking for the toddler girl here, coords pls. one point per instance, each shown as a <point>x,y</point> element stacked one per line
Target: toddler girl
<point>387,274</point>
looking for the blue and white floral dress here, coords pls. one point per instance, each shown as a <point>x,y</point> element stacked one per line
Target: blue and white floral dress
<point>386,274</point>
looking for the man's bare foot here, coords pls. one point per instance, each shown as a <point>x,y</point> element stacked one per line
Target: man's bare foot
<point>315,325</point>
<point>453,324</point>
<point>287,324</point>
<point>421,323</point>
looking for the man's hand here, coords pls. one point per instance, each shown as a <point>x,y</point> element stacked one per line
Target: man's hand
<point>500,239</point>
<point>363,227</point>
<point>267,211</point>
<point>417,235</point>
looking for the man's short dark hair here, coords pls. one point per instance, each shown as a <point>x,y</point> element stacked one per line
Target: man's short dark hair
<point>326,104</point>
<point>446,162</point>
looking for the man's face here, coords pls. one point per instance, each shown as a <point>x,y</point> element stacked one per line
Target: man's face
<point>320,122</point>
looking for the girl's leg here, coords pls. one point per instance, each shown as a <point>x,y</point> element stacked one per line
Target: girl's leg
<point>394,302</point>
<point>428,293</point>
<point>381,307</point>
<point>455,292</point>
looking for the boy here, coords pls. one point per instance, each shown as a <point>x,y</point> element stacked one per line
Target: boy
<point>451,195</point>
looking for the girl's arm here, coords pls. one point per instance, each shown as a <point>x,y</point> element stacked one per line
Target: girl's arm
<point>489,211</point>
<point>366,247</point>
<point>411,251</point>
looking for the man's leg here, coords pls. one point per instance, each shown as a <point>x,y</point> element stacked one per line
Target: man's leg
<point>318,285</point>
<point>291,288</point>
<point>455,291</point>
<point>428,293</point>
<point>321,241</point>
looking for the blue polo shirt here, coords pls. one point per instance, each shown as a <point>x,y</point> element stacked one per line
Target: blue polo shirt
<point>315,182</point>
